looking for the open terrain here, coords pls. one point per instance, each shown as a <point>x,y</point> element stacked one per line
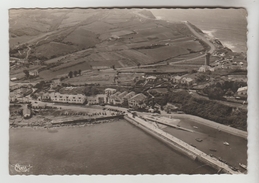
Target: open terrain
<point>94,39</point>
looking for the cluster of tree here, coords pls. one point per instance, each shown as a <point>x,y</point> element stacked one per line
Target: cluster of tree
<point>220,89</point>
<point>41,85</point>
<point>204,108</point>
<point>91,90</point>
<point>216,112</point>
<point>74,74</point>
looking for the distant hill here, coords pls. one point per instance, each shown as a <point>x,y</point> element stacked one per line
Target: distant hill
<point>98,37</point>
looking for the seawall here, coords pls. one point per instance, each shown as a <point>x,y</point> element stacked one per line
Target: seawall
<point>212,124</point>
<point>86,120</point>
<point>180,146</point>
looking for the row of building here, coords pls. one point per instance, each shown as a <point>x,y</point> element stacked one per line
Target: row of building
<point>110,96</point>
<point>175,79</point>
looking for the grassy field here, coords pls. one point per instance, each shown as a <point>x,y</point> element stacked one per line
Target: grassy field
<point>85,39</point>
<point>100,77</point>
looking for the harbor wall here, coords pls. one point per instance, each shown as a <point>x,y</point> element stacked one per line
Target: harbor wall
<point>70,121</point>
<point>212,124</point>
<point>160,137</point>
<point>180,146</point>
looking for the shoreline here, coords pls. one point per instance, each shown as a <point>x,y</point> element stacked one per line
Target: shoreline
<point>73,124</point>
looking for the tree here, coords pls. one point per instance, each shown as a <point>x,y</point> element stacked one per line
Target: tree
<point>79,72</point>
<point>70,74</point>
<point>26,72</point>
<point>62,78</point>
<point>138,65</point>
<point>215,93</point>
<point>75,73</point>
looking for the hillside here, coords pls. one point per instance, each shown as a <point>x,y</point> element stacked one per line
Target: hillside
<point>98,37</point>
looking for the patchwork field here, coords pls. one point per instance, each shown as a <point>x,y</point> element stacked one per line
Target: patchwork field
<point>90,39</point>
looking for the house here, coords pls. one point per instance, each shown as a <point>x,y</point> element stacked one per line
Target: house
<point>137,101</point>
<point>34,73</point>
<point>68,98</point>
<point>13,79</point>
<point>101,98</point>
<point>109,91</point>
<point>43,97</point>
<point>242,92</point>
<point>92,100</point>
<point>151,78</point>
<point>205,68</point>
<point>176,79</point>
<point>128,96</point>
<point>55,83</point>
<point>121,95</point>
<point>187,81</point>
<point>97,99</point>
<point>115,99</point>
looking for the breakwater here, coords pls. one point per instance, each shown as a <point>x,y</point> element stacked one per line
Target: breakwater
<point>181,146</point>
<point>84,120</point>
<point>212,124</point>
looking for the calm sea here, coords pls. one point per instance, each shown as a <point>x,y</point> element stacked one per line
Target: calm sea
<point>110,148</point>
<point>228,25</point>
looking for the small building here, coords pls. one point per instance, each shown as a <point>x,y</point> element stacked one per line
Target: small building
<point>128,96</point>
<point>176,79</point>
<point>43,97</point>
<point>26,111</point>
<point>13,79</point>
<point>34,73</point>
<point>121,95</point>
<point>205,68</point>
<point>92,100</point>
<point>55,83</point>
<point>151,78</point>
<point>109,91</point>
<point>187,81</point>
<point>101,98</point>
<point>242,92</point>
<point>137,101</point>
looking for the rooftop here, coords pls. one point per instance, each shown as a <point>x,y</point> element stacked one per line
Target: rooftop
<point>138,97</point>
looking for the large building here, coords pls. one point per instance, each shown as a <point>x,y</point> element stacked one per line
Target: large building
<point>97,99</point>
<point>137,101</point>
<point>68,98</point>
<point>128,96</point>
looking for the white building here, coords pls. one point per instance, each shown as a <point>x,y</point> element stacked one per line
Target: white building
<point>67,98</point>
<point>176,79</point>
<point>205,68</point>
<point>187,81</point>
<point>109,91</point>
<point>242,92</point>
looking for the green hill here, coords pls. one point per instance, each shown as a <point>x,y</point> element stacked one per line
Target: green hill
<point>102,37</point>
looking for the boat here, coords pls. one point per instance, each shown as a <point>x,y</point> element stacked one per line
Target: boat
<point>226,143</point>
<point>198,140</point>
<point>214,150</point>
<point>243,166</point>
